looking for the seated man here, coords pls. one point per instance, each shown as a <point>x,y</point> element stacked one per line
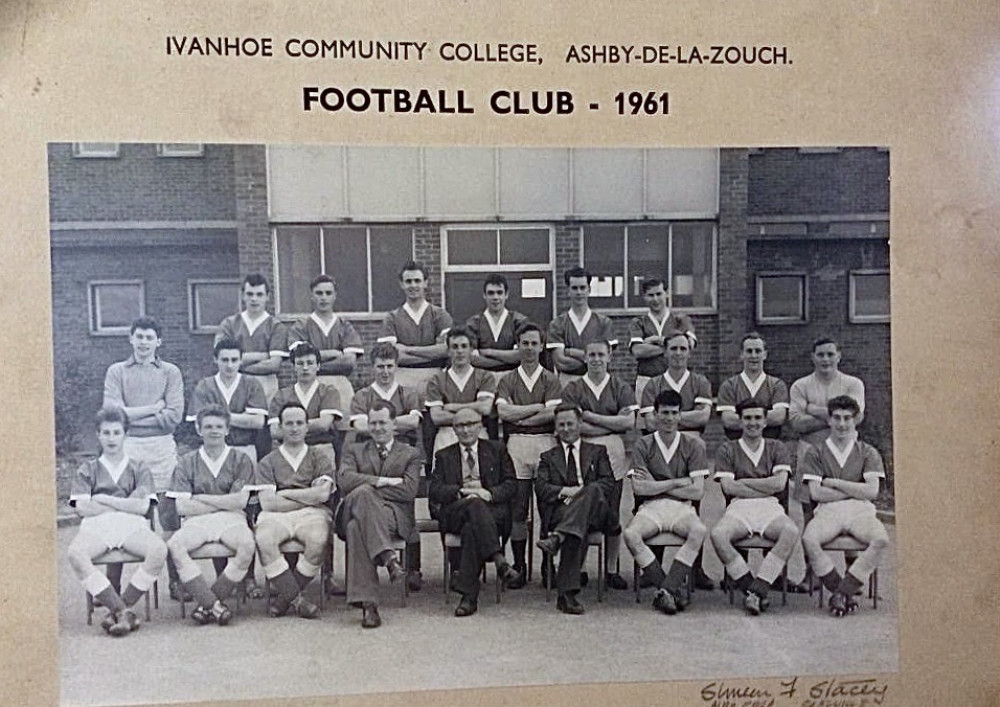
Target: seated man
<point>668,473</point>
<point>842,476</point>
<point>295,482</point>
<point>474,483</point>
<point>753,472</point>
<point>210,486</point>
<point>574,486</point>
<point>378,482</point>
<point>112,494</point>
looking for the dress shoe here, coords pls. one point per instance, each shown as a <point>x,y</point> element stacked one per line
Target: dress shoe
<point>508,576</point>
<point>369,616</point>
<point>550,544</point>
<point>702,581</point>
<point>568,604</point>
<point>521,579</point>
<point>304,608</point>
<point>665,602</point>
<point>613,580</point>
<point>396,571</point>
<point>467,607</point>
<point>333,588</point>
<point>414,580</point>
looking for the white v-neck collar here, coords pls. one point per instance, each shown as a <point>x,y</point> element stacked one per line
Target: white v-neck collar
<point>460,383</point>
<point>753,386</point>
<point>305,396</point>
<point>214,465</point>
<point>496,326</point>
<point>228,391</point>
<point>753,456</point>
<point>115,471</point>
<point>580,324</point>
<point>667,452</point>
<point>529,381</point>
<point>659,325</point>
<point>676,385</point>
<point>599,387</point>
<point>385,394</point>
<point>324,327</point>
<point>416,314</point>
<point>252,324</point>
<point>840,455</point>
<point>295,461</point>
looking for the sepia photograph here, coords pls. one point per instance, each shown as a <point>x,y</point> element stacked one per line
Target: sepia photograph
<point>341,419</point>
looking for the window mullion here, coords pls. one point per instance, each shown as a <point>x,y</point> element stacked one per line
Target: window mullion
<point>368,267</point>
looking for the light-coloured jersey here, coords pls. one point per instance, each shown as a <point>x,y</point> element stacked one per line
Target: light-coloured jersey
<point>810,390</point>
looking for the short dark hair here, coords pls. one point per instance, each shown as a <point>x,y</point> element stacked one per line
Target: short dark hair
<point>225,345</point>
<point>823,341</point>
<point>255,279</point>
<point>749,404</point>
<point>383,349</point>
<point>843,402</point>
<point>649,283</point>
<point>668,398</point>
<point>527,326</point>
<point>576,272</point>
<point>213,411</point>
<point>496,278</point>
<point>675,333</point>
<point>752,335</point>
<point>412,265</point>
<point>319,279</point>
<point>146,323</point>
<point>456,332</point>
<point>299,349</point>
<point>607,344</point>
<point>567,406</point>
<point>111,413</point>
<point>290,406</point>
<point>383,405</point>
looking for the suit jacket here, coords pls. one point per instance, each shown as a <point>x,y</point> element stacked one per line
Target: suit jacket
<point>496,474</point>
<point>361,465</point>
<point>552,475</point>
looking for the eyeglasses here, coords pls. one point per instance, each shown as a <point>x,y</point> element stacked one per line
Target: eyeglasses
<point>466,425</point>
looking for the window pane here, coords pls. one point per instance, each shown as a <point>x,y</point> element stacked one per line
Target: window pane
<point>647,257</point>
<point>95,149</point>
<point>524,246</point>
<point>346,254</point>
<point>781,297</point>
<point>116,305</point>
<point>604,258</point>
<point>691,280</point>
<point>298,263</point>
<point>472,246</point>
<point>871,295</point>
<point>391,247</point>
<point>213,302</point>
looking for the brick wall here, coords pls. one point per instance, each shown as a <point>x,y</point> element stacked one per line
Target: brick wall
<point>786,181</point>
<point>254,230</point>
<point>139,186</point>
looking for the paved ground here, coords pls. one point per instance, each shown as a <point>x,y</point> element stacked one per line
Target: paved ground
<point>524,641</point>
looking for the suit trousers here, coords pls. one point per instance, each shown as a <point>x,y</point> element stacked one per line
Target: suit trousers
<point>371,525</point>
<point>588,511</point>
<point>474,520</point>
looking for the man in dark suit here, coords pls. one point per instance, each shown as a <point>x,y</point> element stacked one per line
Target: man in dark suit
<point>474,482</point>
<point>574,485</point>
<point>378,482</point>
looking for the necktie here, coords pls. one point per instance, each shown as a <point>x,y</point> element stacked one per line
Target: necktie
<point>383,452</point>
<point>572,471</point>
<point>470,464</point>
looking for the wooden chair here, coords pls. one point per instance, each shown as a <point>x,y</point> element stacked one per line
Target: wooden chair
<point>846,544</point>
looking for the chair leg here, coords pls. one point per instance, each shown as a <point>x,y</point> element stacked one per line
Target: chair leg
<point>549,571</point>
<point>600,572</point>
<point>784,585</point>
<point>499,584</point>
<point>90,609</point>
<point>635,581</point>
<point>447,569</point>
<point>729,586</point>
<point>156,595</point>
<point>405,590</point>
<point>148,615</point>
<point>182,603</point>
<point>873,586</point>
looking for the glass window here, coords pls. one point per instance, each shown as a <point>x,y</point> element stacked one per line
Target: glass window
<point>869,296</point>
<point>180,149</point>
<point>95,149</point>
<point>781,298</point>
<point>515,246</point>
<point>472,246</point>
<point>210,301</point>
<point>620,257</point>
<point>524,246</point>
<point>114,305</point>
<point>365,261</point>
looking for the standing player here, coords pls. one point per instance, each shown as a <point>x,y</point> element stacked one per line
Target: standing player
<point>647,333</point>
<point>112,494</point>
<point>753,382</point>
<point>494,336</point>
<point>694,388</point>
<point>753,472</point>
<point>526,401</point>
<point>385,387</point>
<point>263,338</point>
<point>241,395</point>
<point>417,330</point>
<point>842,476</point>
<point>210,486</point>
<point>668,474</point>
<point>151,392</point>
<point>571,331</point>
<point>295,482</point>
<point>334,337</point>
<point>321,403</point>
<point>609,409</point>
<point>458,387</point>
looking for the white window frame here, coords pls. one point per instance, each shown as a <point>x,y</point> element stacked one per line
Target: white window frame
<point>854,318</point>
<point>194,317</point>
<point>640,307</point>
<point>93,306</point>
<point>85,150</point>
<point>485,269</point>
<point>759,297</point>
<point>370,314</point>
<point>180,149</point>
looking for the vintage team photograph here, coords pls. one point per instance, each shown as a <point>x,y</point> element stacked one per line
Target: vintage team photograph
<point>343,419</point>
